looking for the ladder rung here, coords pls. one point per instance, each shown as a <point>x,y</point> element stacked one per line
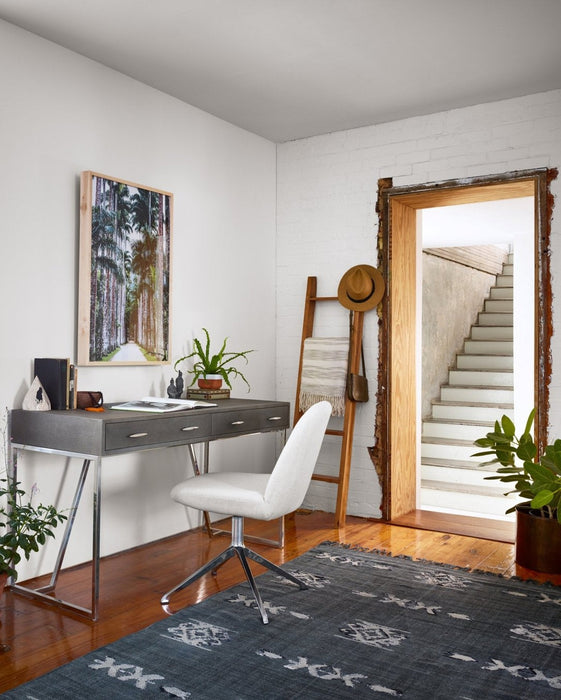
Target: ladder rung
<point>324,477</point>
<point>323,298</point>
<point>332,431</point>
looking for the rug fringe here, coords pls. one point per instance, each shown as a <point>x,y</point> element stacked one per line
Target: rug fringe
<point>451,567</point>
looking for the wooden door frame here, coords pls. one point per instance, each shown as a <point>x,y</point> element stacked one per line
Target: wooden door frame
<point>394,453</point>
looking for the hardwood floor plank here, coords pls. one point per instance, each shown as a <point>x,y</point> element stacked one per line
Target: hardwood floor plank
<point>41,638</point>
<point>483,528</point>
<point>499,562</point>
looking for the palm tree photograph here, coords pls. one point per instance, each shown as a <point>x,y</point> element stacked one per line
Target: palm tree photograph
<point>125,250</point>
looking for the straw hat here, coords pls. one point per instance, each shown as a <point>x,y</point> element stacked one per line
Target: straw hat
<point>361,288</point>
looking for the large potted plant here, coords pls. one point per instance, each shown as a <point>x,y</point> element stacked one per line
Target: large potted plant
<point>209,369</point>
<point>24,527</point>
<point>537,480</point>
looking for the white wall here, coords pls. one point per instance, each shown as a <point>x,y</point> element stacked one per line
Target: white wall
<point>61,114</point>
<point>326,223</point>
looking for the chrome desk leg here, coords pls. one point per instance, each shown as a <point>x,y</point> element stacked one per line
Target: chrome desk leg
<point>197,472</point>
<point>96,538</point>
<point>46,593</point>
<point>68,529</point>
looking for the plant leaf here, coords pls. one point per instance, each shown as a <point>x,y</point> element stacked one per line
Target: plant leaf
<point>526,449</point>
<point>529,422</point>
<point>542,499</point>
<point>508,427</point>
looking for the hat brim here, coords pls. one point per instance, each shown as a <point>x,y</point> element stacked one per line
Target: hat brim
<point>373,299</point>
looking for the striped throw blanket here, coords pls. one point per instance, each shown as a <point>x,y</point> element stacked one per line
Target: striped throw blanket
<point>324,373</point>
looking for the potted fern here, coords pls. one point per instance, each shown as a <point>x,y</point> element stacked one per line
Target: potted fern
<point>210,369</point>
<point>537,480</point>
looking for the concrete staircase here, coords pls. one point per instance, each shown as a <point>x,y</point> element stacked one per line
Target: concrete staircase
<point>478,392</point>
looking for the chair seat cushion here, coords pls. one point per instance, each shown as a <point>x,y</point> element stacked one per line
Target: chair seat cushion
<point>233,493</point>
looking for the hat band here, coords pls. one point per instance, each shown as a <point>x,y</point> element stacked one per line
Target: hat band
<point>362,299</point>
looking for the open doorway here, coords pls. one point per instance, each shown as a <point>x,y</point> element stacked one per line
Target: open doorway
<point>395,452</point>
<point>476,281</point>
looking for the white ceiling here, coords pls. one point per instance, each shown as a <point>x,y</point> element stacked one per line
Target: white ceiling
<point>287,69</point>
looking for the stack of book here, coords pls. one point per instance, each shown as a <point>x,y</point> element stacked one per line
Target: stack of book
<point>59,379</point>
<point>208,394</point>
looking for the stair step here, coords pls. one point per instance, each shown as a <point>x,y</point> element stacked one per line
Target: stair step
<point>504,281</point>
<point>449,450</point>
<point>485,362</point>
<point>461,478</point>
<point>478,394</point>
<point>491,333</point>
<point>471,411</point>
<point>458,464</point>
<point>499,306</point>
<point>480,377</point>
<point>508,269</point>
<point>494,318</point>
<point>469,502</point>
<point>488,347</point>
<point>456,430</point>
<point>501,293</point>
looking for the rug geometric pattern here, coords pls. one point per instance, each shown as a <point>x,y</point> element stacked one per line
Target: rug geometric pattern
<point>370,626</point>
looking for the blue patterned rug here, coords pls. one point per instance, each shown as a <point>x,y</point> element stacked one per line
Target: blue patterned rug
<point>370,626</point>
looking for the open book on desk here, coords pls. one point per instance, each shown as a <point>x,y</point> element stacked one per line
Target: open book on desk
<point>154,404</point>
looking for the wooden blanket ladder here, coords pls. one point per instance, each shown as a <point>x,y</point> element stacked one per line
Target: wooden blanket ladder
<point>346,433</point>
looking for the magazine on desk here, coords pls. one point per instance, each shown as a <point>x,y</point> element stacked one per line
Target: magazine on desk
<point>155,404</point>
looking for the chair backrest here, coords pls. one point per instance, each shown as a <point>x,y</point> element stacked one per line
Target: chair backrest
<point>291,476</point>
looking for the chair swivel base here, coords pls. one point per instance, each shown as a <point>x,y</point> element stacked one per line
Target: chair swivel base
<point>243,553</point>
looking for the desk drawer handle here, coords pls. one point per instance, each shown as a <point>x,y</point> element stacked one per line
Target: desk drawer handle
<point>275,418</point>
<point>238,422</point>
<point>190,427</point>
<point>138,435</point>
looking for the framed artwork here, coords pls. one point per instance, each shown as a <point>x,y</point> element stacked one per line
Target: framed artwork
<point>124,272</point>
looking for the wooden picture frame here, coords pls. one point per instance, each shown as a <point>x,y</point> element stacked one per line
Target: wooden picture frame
<point>124,272</point>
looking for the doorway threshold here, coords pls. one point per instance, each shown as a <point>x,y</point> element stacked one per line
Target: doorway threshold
<point>483,528</point>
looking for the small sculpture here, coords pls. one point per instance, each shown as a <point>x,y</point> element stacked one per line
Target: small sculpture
<point>179,384</point>
<point>175,387</point>
<point>36,398</point>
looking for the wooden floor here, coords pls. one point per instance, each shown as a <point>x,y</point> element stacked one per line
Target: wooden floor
<point>35,638</point>
<point>483,528</point>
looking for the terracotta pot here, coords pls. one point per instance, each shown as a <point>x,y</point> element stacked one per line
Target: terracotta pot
<point>210,381</point>
<point>538,541</point>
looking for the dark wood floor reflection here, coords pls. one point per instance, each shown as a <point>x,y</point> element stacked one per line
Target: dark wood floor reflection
<point>40,638</point>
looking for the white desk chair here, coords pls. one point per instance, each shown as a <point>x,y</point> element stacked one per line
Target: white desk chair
<point>260,496</point>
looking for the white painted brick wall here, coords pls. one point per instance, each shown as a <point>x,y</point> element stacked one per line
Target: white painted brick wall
<point>327,189</point>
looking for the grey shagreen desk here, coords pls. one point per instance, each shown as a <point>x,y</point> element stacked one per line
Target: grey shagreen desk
<point>92,436</point>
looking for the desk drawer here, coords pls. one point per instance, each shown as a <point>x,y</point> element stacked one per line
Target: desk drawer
<point>135,434</point>
<point>236,422</point>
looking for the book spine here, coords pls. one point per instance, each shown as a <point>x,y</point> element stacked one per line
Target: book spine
<point>73,387</point>
<point>54,375</point>
<point>67,386</point>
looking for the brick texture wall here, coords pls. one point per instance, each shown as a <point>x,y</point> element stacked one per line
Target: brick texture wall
<point>327,188</point>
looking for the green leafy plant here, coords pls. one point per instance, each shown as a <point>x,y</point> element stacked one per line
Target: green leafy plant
<point>536,479</point>
<point>23,526</point>
<point>219,363</point>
